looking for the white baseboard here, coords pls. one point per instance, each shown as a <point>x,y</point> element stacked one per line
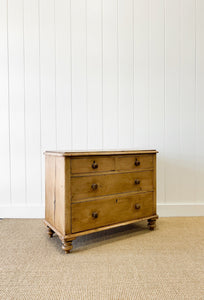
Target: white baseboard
<point>163,210</point>
<point>180,209</point>
<point>31,211</point>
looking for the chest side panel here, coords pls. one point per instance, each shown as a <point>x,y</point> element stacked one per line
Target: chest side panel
<point>56,171</point>
<point>49,188</point>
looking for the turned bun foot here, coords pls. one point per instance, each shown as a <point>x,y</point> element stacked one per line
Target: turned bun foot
<point>50,232</point>
<point>151,223</point>
<point>67,246</point>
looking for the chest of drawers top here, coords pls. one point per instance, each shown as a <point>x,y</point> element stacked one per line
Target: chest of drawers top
<point>96,190</point>
<point>98,153</point>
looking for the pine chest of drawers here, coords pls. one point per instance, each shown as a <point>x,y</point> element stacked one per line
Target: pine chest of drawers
<point>87,192</point>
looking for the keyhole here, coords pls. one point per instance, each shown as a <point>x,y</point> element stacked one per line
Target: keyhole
<point>116,200</point>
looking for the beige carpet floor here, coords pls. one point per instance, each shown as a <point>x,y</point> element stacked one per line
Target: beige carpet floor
<point>123,263</point>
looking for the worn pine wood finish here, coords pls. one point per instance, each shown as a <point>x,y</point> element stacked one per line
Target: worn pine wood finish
<point>92,164</point>
<point>134,162</point>
<point>86,192</point>
<point>101,185</point>
<point>114,209</point>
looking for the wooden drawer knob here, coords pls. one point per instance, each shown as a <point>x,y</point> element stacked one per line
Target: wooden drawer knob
<point>94,165</point>
<point>94,186</point>
<point>137,163</point>
<point>137,206</point>
<point>95,215</point>
<point>137,181</point>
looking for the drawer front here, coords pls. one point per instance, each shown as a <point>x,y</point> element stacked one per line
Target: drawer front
<point>99,185</point>
<point>92,164</point>
<point>97,213</point>
<point>134,162</point>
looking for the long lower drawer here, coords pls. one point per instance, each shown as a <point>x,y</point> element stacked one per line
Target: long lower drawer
<point>100,185</point>
<point>93,214</point>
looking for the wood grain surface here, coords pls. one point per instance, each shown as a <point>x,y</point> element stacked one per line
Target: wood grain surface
<point>93,214</point>
<point>82,187</point>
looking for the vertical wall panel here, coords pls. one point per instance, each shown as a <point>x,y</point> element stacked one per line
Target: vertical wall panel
<point>94,73</point>
<point>47,79</point>
<point>125,60</point>
<point>47,69</point>
<point>187,108</point>
<point>199,100</point>
<point>79,74</point>
<point>32,102</point>
<point>141,73</point>
<point>16,95</point>
<point>63,74</point>
<point>172,100</point>
<point>4,108</point>
<point>156,105</point>
<point>110,75</point>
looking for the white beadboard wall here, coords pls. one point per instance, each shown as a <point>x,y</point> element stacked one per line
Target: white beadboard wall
<point>102,74</point>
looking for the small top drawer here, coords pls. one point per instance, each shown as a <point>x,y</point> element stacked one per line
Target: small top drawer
<point>134,162</point>
<point>92,164</point>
